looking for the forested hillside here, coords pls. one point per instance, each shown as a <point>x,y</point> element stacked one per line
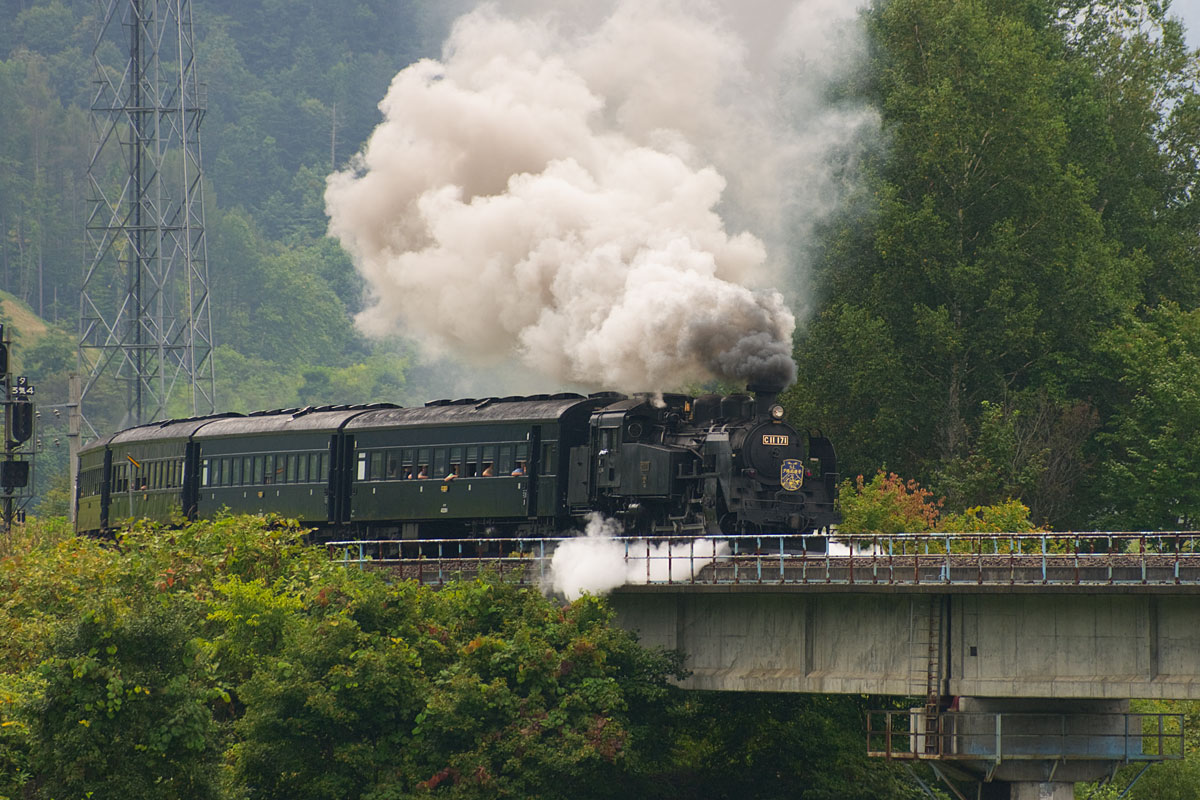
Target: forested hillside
<point>1005,307</point>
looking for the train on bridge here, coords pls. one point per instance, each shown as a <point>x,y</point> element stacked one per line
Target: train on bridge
<point>513,466</point>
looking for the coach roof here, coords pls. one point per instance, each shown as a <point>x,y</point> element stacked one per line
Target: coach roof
<point>471,411</point>
<point>312,418</point>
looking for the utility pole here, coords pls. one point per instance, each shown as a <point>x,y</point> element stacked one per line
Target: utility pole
<point>145,323</point>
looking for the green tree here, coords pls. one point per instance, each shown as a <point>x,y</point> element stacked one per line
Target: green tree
<point>125,708</point>
<point>1028,196</point>
<point>1151,476</point>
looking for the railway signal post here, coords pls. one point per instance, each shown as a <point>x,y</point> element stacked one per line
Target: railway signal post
<point>16,470</point>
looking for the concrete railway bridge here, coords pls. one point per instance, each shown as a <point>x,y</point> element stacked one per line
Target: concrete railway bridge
<point>1023,649</point>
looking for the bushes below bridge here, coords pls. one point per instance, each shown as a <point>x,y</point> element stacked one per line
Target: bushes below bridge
<point>227,659</point>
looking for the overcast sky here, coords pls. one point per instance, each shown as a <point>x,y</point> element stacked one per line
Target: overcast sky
<point>1189,12</point>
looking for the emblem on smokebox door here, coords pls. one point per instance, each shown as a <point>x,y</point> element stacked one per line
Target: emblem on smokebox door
<point>791,474</point>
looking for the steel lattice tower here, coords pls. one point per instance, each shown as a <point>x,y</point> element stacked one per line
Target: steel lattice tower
<point>145,323</point>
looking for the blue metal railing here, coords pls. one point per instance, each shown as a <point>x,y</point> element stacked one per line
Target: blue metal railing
<point>1111,558</point>
<point>1021,736</point>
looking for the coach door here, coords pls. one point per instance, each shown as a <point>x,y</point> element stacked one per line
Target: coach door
<point>341,477</point>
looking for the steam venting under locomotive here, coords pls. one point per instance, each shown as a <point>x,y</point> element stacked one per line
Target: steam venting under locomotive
<point>513,466</point>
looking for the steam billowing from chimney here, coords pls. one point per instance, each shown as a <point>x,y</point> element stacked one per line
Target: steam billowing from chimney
<point>556,195</point>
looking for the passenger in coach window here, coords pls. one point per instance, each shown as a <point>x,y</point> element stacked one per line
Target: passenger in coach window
<point>520,470</point>
<point>487,470</point>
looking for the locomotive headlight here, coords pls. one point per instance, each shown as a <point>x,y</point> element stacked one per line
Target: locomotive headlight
<point>777,412</point>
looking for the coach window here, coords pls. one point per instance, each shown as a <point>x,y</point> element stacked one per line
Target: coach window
<point>393,464</point>
<point>549,453</point>
<point>423,454</point>
<point>235,477</point>
<point>289,470</point>
<point>406,464</point>
<point>488,460</point>
<point>439,462</point>
<point>472,466</point>
<point>456,460</point>
<point>523,455</point>
<point>505,463</point>
<point>257,474</point>
<point>323,467</point>
<point>361,473</point>
<point>376,471</point>
<point>268,475</point>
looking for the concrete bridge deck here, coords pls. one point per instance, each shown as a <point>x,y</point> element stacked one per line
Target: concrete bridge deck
<point>1097,615</point>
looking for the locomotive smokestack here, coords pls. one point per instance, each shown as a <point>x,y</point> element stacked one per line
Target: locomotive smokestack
<point>765,397</point>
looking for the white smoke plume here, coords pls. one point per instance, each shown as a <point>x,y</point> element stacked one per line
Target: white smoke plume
<point>555,192</point>
<point>597,562</point>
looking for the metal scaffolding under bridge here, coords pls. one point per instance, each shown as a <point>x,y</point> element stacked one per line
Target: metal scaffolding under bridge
<point>145,324</point>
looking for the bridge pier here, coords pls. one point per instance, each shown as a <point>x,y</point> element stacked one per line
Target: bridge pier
<point>1034,790</point>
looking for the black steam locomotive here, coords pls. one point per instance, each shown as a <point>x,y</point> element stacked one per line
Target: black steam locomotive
<point>512,466</point>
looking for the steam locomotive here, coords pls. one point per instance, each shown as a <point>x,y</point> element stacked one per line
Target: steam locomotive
<point>511,466</point>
